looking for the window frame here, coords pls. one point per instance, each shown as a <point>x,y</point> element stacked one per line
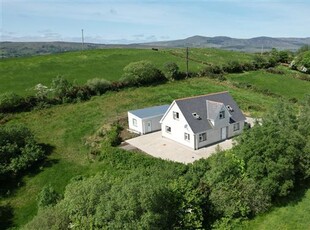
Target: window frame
<point>202,137</point>
<point>222,114</point>
<point>134,122</point>
<point>176,115</point>
<point>168,129</point>
<point>187,137</point>
<point>236,126</point>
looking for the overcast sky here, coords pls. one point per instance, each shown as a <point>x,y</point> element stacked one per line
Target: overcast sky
<point>129,21</point>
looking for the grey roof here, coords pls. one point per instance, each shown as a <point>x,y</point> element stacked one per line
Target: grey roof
<point>198,105</point>
<point>150,111</point>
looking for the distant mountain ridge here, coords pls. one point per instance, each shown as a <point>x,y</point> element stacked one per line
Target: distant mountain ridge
<point>257,44</point>
<point>248,45</point>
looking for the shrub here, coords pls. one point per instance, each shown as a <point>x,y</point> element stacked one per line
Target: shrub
<point>60,88</point>
<point>10,102</point>
<point>18,149</point>
<point>141,73</point>
<point>171,71</point>
<point>47,197</point>
<point>98,86</point>
<point>233,67</point>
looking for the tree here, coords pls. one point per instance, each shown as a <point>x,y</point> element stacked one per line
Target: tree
<point>171,71</point>
<point>271,151</point>
<point>18,149</point>
<point>142,73</point>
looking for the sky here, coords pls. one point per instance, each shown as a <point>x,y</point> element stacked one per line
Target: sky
<point>134,21</point>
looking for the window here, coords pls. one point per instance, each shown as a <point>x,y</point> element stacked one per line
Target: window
<point>168,129</point>
<point>222,114</point>
<point>134,122</point>
<point>236,127</point>
<point>186,136</point>
<point>175,115</point>
<point>202,137</point>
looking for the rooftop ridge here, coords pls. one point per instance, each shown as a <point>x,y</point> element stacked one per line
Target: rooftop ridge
<point>203,95</point>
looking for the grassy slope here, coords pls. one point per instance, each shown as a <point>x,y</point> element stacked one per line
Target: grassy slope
<point>284,85</point>
<point>294,215</point>
<point>58,127</point>
<point>20,75</point>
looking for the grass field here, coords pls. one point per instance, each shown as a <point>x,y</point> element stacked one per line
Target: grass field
<point>20,75</point>
<point>66,127</point>
<point>281,84</point>
<point>294,215</point>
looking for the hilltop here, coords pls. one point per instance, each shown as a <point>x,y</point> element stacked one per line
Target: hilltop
<point>19,49</point>
<point>247,45</point>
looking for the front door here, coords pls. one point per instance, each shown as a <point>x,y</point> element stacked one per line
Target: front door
<point>223,133</point>
<point>148,126</point>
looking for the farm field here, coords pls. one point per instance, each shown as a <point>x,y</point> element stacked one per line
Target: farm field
<point>20,75</point>
<point>284,85</point>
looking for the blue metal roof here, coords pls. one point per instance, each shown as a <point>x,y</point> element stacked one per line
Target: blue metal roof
<point>150,111</point>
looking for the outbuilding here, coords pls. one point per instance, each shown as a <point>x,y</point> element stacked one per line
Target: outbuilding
<point>146,120</point>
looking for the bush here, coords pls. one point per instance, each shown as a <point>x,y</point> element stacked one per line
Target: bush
<point>18,149</point>
<point>98,86</point>
<point>10,102</point>
<point>171,71</point>
<point>60,88</point>
<point>47,197</point>
<point>233,67</point>
<point>142,73</point>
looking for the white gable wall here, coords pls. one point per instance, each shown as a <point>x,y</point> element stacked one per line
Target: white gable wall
<point>178,127</point>
<point>139,127</point>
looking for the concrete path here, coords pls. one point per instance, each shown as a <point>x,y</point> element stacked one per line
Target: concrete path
<point>157,146</point>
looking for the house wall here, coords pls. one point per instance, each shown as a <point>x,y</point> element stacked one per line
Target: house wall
<point>139,127</point>
<point>213,135</point>
<point>231,131</point>
<point>154,123</point>
<point>178,127</point>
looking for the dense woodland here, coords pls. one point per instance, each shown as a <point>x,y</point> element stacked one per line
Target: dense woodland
<point>130,190</point>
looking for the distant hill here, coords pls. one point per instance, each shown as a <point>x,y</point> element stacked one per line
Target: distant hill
<point>246,45</point>
<point>19,49</point>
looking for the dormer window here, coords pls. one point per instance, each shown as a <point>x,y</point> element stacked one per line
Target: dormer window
<point>175,115</point>
<point>222,114</point>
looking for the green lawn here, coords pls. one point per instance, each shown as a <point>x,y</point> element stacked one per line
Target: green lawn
<point>284,85</point>
<point>294,215</point>
<point>66,128</point>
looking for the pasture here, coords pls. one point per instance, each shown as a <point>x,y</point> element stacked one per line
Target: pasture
<point>284,85</point>
<point>20,75</point>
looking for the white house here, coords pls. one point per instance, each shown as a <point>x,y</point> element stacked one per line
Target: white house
<point>203,120</point>
<point>146,120</point>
